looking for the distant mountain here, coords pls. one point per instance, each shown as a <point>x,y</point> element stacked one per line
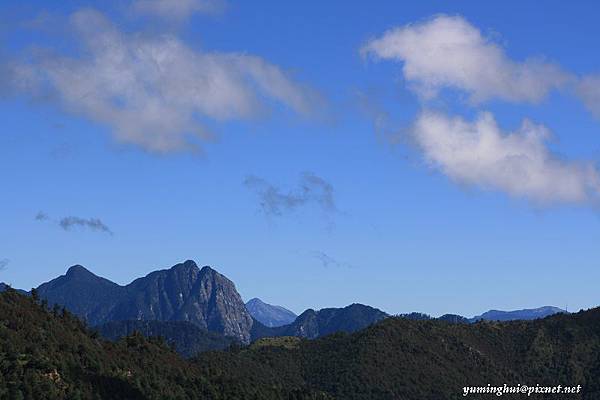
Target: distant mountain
<point>210,301</point>
<point>86,295</point>
<point>202,297</point>
<point>526,314</point>
<point>269,315</point>
<point>187,339</point>
<point>492,315</point>
<point>184,292</point>
<point>312,324</point>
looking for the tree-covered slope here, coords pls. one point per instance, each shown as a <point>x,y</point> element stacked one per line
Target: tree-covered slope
<point>399,358</point>
<point>51,355</point>
<point>186,338</point>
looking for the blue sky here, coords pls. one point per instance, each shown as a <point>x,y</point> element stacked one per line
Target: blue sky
<point>332,161</point>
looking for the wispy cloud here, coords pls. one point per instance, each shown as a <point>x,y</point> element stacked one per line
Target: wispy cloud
<point>311,189</point>
<point>70,222</point>
<point>95,224</point>
<point>177,10</point>
<point>41,216</point>
<point>4,263</point>
<point>154,91</point>
<point>449,52</point>
<point>327,261</point>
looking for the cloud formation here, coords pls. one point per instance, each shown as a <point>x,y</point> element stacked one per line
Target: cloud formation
<point>4,263</point>
<point>95,224</point>
<point>449,52</point>
<point>155,91</point>
<point>176,10</point>
<point>70,222</point>
<point>328,261</point>
<point>41,216</point>
<point>519,163</point>
<point>312,189</point>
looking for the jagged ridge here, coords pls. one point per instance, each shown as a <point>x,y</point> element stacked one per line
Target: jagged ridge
<point>184,292</point>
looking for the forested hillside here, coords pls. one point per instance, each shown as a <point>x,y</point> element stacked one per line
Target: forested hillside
<point>183,336</point>
<point>52,355</point>
<point>400,358</point>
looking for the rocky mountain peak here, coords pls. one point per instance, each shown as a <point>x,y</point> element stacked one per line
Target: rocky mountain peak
<point>187,265</point>
<point>208,271</point>
<point>183,292</point>
<point>215,301</point>
<point>255,301</point>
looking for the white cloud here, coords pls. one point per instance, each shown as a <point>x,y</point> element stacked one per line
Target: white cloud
<point>176,10</point>
<point>588,90</point>
<point>155,91</point>
<point>519,163</point>
<point>449,52</point>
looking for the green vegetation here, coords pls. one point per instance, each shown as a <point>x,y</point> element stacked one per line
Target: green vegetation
<point>52,355</point>
<point>183,336</point>
<point>399,358</point>
<point>287,342</point>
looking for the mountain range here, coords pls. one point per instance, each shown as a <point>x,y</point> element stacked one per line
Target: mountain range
<point>188,306</point>
<point>525,314</point>
<point>183,292</point>
<point>50,354</point>
<point>198,309</point>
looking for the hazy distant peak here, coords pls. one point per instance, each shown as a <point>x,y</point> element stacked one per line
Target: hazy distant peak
<point>268,314</point>
<point>524,314</point>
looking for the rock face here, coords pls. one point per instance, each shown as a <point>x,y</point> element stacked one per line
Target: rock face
<point>269,315</point>
<point>184,292</point>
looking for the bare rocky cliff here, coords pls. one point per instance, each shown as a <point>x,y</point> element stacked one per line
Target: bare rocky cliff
<point>183,292</point>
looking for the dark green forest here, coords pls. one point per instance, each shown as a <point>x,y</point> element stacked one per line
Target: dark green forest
<point>184,337</point>
<point>50,354</point>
